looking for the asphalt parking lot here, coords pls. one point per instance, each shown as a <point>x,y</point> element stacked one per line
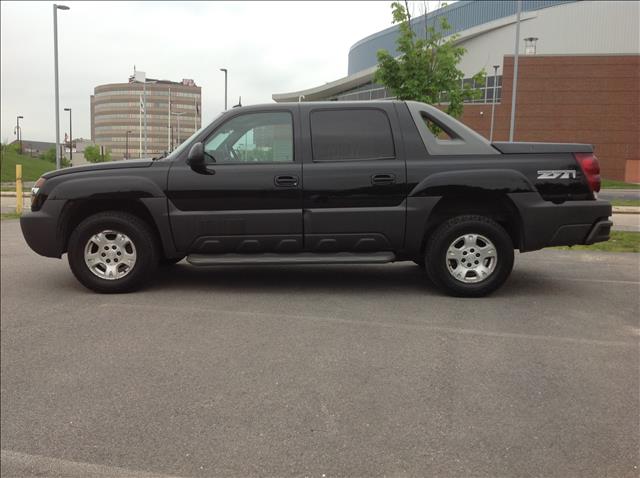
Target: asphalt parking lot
<point>321,371</point>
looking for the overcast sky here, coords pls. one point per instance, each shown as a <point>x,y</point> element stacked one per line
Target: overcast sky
<point>268,47</point>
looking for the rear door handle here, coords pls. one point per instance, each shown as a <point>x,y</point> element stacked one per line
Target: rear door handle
<point>286,181</point>
<point>382,179</point>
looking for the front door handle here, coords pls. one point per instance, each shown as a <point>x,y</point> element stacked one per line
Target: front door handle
<point>286,181</point>
<point>382,179</point>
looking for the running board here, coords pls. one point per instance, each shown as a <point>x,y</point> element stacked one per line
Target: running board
<point>293,258</point>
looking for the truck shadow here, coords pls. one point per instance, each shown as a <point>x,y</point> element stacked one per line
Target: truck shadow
<point>401,278</point>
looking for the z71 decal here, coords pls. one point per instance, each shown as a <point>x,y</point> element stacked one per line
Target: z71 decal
<point>557,174</point>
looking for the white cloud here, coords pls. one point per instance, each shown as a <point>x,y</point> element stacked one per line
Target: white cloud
<point>268,47</point>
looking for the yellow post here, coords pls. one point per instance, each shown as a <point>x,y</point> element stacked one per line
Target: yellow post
<point>19,189</point>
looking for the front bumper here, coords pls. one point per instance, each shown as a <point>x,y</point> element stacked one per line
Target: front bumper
<point>40,229</point>
<point>572,222</point>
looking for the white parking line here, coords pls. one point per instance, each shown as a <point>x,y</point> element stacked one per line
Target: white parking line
<point>23,464</point>
<point>604,281</point>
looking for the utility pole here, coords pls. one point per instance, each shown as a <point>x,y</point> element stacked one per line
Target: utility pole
<point>225,87</point>
<point>141,77</point>
<point>19,132</point>
<point>140,128</point>
<point>55,62</point>
<point>178,132</point>
<point>169,124</point>
<point>515,74</point>
<point>493,103</point>
<point>144,95</point>
<point>126,148</point>
<point>70,136</point>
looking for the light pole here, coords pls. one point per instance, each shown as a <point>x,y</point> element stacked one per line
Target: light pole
<point>55,61</point>
<point>141,77</point>
<point>493,103</point>
<point>225,87</point>
<point>70,136</point>
<point>169,122</point>
<point>19,131</point>
<point>126,148</point>
<point>178,115</point>
<point>515,74</point>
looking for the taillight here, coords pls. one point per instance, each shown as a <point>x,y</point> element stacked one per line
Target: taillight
<point>591,169</point>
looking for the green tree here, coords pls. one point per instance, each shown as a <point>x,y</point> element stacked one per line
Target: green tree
<point>427,68</point>
<point>14,148</point>
<point>92,154</point>
<point>49,155</point>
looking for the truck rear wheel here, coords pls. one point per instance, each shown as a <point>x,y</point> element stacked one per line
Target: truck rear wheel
<point>469,256</point>
<point>112,252</point>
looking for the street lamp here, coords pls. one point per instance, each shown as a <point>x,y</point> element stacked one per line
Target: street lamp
<point>225,87</point>
<point>126,148</point>
<point>70,136</point>
<point>19,131</point>
<point>55,61</point>
<point>493,103</point>
<point>530,45</point>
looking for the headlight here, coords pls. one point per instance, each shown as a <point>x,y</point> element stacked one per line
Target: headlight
<point>35,190</point>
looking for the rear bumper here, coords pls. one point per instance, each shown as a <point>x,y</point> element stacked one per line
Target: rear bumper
<point>40,229</point>
<point>600,232</point>
<point>582,234</point>
<point>572,222</point>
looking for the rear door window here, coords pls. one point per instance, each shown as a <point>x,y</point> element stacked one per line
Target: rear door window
<point>351,134</point>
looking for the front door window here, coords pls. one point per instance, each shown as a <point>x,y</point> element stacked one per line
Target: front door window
<point>253,138</point>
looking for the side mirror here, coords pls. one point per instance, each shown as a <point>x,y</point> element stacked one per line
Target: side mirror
<point>196,156</point>
<point>196,160</point>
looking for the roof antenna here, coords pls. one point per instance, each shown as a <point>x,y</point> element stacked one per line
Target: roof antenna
<point>239,102</point>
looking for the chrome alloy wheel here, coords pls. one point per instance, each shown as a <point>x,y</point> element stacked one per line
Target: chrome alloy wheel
<point>110,255</point>
<point>471,258</point>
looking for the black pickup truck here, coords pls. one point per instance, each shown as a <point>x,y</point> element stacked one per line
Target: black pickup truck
<point>322,183</point>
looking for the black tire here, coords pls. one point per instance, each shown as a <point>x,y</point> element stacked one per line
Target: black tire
<point>140,234</point>
<point>444,236</point>
<point>419,263</point>
<point>169,261</point>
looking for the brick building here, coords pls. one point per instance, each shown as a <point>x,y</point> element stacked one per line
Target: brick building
<point>572,99</point>
<point>578,80</point>
<point>117,116</point>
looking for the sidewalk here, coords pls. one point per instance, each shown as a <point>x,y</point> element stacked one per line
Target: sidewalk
<point>626,222</point>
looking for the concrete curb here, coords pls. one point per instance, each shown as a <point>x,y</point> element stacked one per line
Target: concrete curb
<point>626,210</point>
<point>11,194</point>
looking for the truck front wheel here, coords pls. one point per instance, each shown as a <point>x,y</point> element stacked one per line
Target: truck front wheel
<point>469,256</point>
<point>112,252</point>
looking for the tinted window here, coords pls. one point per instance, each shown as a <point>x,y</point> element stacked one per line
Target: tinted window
<point>440,131</point>
<point>252,138</point>
<point>351,134</point>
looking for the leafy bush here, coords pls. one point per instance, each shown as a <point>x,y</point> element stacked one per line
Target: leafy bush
<point>49,155</point>
<point>92,154</point>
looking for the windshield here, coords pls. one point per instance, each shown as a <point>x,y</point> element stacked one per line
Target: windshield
<point>185,144</point>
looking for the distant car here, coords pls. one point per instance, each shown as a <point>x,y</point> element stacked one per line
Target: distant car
<point>323,183</point>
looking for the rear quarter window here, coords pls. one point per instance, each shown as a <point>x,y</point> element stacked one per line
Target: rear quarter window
<point>351,134</point>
